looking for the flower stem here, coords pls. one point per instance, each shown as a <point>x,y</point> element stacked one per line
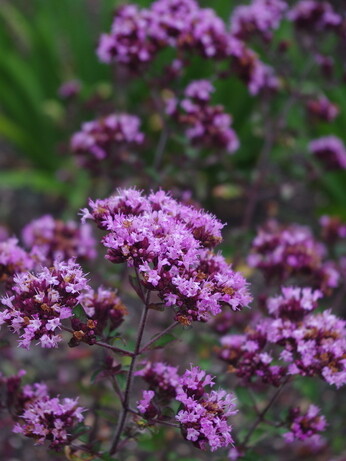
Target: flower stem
<point>126,400</point>
<point>261,415</point>
<point>158,336</point>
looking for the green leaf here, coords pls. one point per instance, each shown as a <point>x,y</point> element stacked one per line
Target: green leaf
<point>163,341</point>
<point>79,312</point>
<point>32,178</point>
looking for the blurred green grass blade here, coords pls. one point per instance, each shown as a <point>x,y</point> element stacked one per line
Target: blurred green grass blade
<point>41,182</point>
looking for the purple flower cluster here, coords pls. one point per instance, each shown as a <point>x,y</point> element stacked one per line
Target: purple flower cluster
<point>162,378</point>
<point>294,303</point>
<point>305,426</point>
<point>288,251</point>
<point>49,239</point>
<point>251,70</point>
<point>38,302</point>
<point>13,259</point>
<point>40,417</point>
<point>260,16</point>
<point>171,246</point>
<point>294,341</point>
<point>322,109</point>
<point>315,15</point>
<point>333,228</point>
<point>202,416</point>
<point>137,35</point>
<point>330,151</point>
<point>145,406</point>
<point>102,308</point>
<point>49,419</point>
<point>100,138</point>
<point>207,126</point>
<point>69,89</point>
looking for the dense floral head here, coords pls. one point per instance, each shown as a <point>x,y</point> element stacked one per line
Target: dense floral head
<point>315,15</point>
<point>305,426</point>
<point>203,416</point>
<point>250,69</point>
<point>317,347</point>
<point>306,344</point>
<point>50,239</point>
<point>288,251</point>
<point>162,378</point>
<point>39,302</point>
<point>13,259</point>
<point>261,16</point>
<point>206,125</point>
<point>294,303</point>
<point>102,138</point>
<point>330,151</point>
<point>333,228</point>
<point>49,419</point>
<point>322,109</point>
<point>171,246</point>
<point>137,35</point>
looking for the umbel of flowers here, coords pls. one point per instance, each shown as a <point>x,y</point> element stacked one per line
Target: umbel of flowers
<point>203,416</point>
<point>39,302</point>
<point>292,341</point>
<point>171,245</point>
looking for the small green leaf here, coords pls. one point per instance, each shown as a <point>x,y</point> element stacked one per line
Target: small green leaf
<point>79,312</point>
<point>163,341</point>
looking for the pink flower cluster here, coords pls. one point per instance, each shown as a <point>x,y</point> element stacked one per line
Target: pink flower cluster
<point>203,415</point>
<point>102,308</point>
<point>162,378</point>
<point>333,228</point>
<point>251,70</point>
<point>170,244</point>
<point>100,138</point>
<point>260,16</point>
<point>49,239</point>
<point>48,419</point>
<point>305,426</point>
<point>145,406</point>
<point>39,417</point>
<point>38,302</point>
<point>330,151</point>
<point>288,251</point>
<point>69,89</point>
<point>322,109</point>
<point>316,15</point>
<point>207,126</point>
<point>137,36</point>
<point>294,341</point>
<point>13,259</point>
